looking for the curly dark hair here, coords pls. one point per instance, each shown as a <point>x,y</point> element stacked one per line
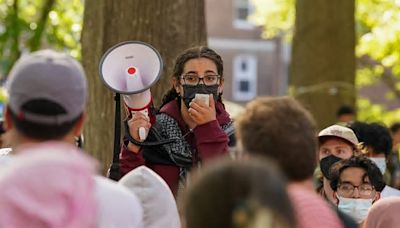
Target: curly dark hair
<point>371,171</point>
<point>375,135</point>
<point>192,53</point>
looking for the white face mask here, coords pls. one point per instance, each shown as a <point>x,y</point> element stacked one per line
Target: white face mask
<point>381,163</point>
<point>355,208</point>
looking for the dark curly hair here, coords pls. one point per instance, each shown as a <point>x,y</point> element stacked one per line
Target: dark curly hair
<point>192,53</point>
<point>371,171</point>
<point>374,135</point>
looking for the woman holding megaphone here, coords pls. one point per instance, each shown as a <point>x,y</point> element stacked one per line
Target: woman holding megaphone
<point>192,117</point>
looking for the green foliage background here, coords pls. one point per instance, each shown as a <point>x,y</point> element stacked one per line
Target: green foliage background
<point>377,50</point>
<point>29,25</point>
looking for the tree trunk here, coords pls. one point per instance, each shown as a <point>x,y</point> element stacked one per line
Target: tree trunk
<point>323,57</point>
<point>168,25</point>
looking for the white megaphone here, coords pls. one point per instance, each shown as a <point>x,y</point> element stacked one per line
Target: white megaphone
<point>131,68</point>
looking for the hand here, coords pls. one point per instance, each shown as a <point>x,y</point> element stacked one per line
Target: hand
<point>137,121</point>
<point>200,112</point>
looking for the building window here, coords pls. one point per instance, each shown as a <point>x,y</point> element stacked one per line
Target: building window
<point>244,86</point>
<point>244,77</point>
<point>242,10</point>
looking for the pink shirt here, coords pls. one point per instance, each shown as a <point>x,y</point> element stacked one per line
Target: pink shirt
<point>311,210</point>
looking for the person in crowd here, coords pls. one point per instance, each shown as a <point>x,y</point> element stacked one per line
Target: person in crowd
<point>345,114</point>
<point>384,214</point>
<point>238,194</point>
<point>200,127</point>
<point>377,144</point>
<point>48,188</point>
<point>394,157</point>
<point>281,129</point>
<point>158,203</point>
<point>357,183</point>
<point>395,131</point>
<point>47,95</point>
<point>335,143</point>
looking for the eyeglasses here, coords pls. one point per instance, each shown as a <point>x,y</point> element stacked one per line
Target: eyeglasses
<point>194,79</point>
<point>347,190</point>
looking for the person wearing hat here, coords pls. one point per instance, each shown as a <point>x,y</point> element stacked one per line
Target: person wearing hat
<point>47,95</point>
<point>281,129</point>
<point>335,143</point>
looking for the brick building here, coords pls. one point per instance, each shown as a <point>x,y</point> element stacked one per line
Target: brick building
<point>253,66</point>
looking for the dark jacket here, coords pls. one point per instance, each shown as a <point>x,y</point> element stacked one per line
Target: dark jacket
<point>206,141</point>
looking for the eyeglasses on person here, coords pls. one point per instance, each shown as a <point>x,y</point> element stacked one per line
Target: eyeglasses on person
<point>194,79</point>
<point>347,190</point>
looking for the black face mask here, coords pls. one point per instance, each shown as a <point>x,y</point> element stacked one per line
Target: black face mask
<point>326,163</point>
<point>189,92</point>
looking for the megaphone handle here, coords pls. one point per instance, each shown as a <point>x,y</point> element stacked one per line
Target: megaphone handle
<point>141,130</point>
<point>142,133</point>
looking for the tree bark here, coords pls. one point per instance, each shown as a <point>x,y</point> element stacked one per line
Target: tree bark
<point>323,57</point>
<point>168,25</point>
<point>35,41</point>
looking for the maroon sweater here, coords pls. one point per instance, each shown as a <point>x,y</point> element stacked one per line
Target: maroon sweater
<point>208,140</point>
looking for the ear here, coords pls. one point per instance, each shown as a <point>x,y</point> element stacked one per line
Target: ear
<point>176,84</point>
<point>335,196</point>
<point>377,196</point>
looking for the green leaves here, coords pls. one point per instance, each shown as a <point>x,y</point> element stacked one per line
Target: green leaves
<point>378,36</point>
<point>370,112</point>
<point>30,25</point>
<point>277,17</point>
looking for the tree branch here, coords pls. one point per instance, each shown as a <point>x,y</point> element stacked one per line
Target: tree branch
<point>15,31</point>
<point>35,41</point>
<point>388,77</point>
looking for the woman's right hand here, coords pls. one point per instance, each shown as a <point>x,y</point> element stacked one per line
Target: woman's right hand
<point>137,121</point>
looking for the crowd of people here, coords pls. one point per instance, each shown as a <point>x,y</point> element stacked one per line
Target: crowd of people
<point>270,167</point>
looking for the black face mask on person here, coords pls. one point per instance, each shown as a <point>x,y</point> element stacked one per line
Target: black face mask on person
<point>326,163</point>
<point>189,92</point>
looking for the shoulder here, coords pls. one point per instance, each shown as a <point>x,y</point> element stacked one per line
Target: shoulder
<point>172,108</point>
<point>311,209</point>
<point>117,206</point>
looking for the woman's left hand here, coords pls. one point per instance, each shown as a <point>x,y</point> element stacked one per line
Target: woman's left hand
<point>200,112</point>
